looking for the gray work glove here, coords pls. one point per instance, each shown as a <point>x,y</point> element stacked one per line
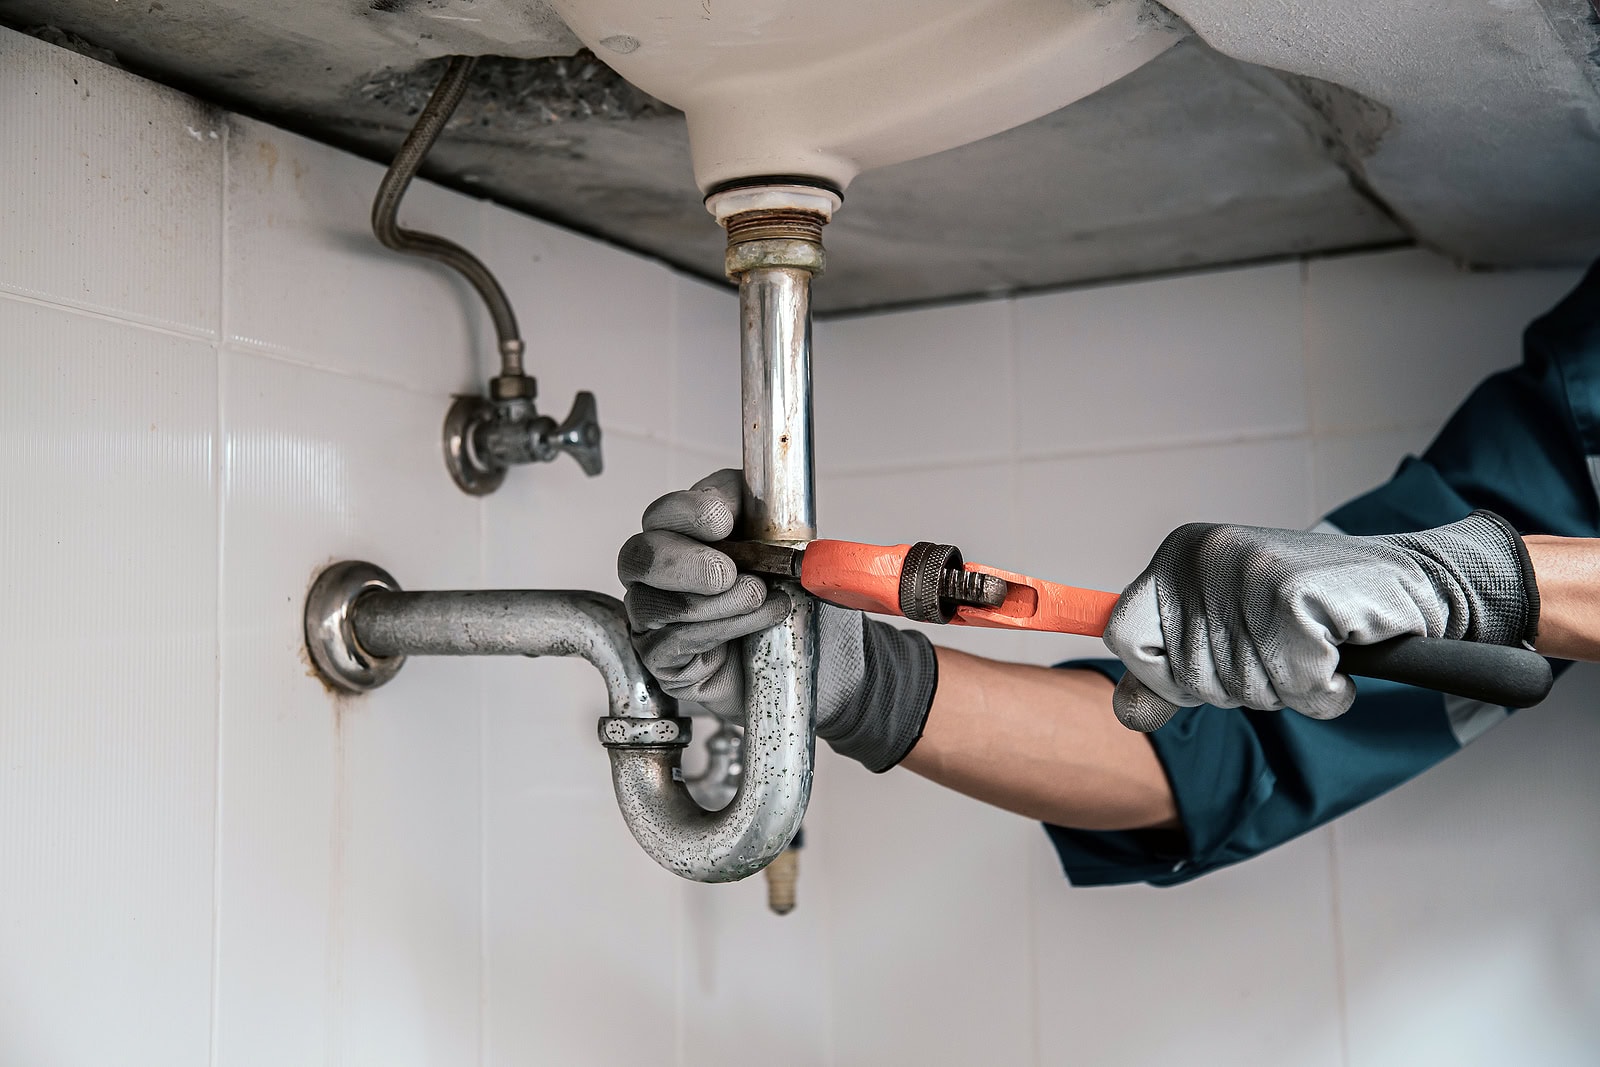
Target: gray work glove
<point>689,607</point>
<point>1239,616</point>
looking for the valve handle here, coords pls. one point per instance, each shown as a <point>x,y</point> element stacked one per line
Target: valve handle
<point>579,434</point>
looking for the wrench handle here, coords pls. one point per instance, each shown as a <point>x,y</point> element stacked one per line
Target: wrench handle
<point>1494,674</point>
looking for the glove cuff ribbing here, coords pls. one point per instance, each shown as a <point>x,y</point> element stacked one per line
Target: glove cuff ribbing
<point>1528,626</point>
<point>1482,570</point>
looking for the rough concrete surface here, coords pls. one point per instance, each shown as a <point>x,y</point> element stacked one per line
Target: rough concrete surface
<point>1470,128</point>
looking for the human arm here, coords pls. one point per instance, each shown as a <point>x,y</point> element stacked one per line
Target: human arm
<point>1041,743</point>
<point>1568,570</point>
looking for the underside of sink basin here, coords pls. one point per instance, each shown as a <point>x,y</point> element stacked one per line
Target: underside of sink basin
<point>824,89</point>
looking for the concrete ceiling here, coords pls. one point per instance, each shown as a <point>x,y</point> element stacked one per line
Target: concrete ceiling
<point>1277,129</point>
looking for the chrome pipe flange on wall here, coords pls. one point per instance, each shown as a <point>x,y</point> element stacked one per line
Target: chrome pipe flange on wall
<point>330,626</point>
<point>471,475</point>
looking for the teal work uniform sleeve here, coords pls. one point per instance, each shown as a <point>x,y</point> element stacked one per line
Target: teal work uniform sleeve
<point>1525,444</point>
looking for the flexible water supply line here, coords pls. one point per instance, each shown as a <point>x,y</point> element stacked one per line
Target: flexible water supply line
<point>483,438</point>
<point>386,208</point>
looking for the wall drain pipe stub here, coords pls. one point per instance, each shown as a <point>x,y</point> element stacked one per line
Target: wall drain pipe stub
<point>330,627</point>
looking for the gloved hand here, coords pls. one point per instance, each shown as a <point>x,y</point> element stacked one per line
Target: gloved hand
<point>1243,616</point>
<point>689,607</point>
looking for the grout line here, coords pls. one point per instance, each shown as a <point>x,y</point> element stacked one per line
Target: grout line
<point>1015,539</point>
<point>483,806</point>
<point>258,349</point>
<point>1313,514</point>
<point>680,991</point>
<point>701,452</point>
<point>1336,918</point>
<point>219,484</point>
<point>485,1003</point>
<point>1083,452</point>
<point>1307,370</point>
<point>245,349</point>
<point>824,897</point>
<point>1014,467</point>
<point>1030,871</point>
<point>1350,432</point>
<point>120,318</point>
<point>675,366</point>
<point>1223,440</point>
<point>1013,340</point>
<point>1313,481</point>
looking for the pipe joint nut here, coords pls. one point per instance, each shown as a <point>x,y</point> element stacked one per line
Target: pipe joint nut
<point>774,252</point>
<point>666,731</point>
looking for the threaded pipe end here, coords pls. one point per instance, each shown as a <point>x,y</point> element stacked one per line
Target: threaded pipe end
<point>783,874</point>
<point>774,224</point>
<point>774,237</point>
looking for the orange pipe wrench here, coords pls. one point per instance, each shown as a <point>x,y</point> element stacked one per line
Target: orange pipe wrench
<point>926,582</point>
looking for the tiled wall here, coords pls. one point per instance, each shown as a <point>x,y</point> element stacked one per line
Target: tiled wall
<point>213,382</point>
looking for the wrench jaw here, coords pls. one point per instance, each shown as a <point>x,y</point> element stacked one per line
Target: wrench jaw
<point>973,589</point>
<point>758,557</point>
<point>926,582</point>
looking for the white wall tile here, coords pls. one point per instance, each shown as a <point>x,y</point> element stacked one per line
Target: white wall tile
<point>707,387</point>
<point>1237,967</point>
<point>108,575</point>
<point>1210,356</point>
<point>1470,899</point>
<point>925,388</point>
<point>1402,337</point>
<point>689,465</point>
<point>929,944</point>
<point>306,278</point>
<point>1346,467</point>
<point>114,193</point>
<point>349,871</point>
<point>594,318</point>
<point>408,902</point>
<point>581,940</point>
<point>755,984</point>
<point>1095,521</point>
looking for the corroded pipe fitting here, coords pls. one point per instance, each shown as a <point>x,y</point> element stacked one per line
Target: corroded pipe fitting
<point>783,874</point>
<point>774,237</point>
<point>777,225</point>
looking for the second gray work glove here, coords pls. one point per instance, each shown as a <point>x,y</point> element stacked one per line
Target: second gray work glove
<point>689,608</point>
<point>1240,616</point>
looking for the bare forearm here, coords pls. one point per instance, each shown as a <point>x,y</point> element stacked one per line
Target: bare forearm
<point>1568,573</point>
<point>1042,743</point>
